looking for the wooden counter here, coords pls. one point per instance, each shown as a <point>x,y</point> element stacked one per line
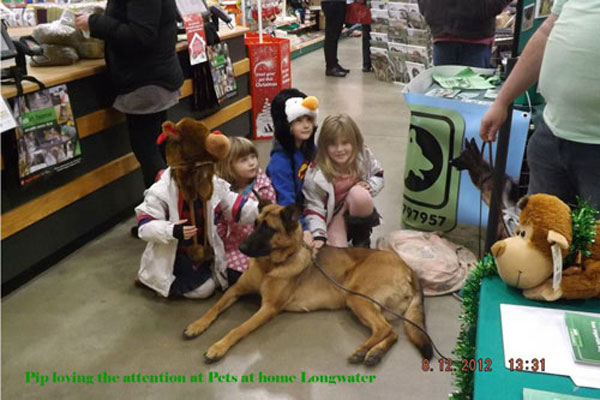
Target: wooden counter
<point>52,76</point>
<point>52,217</point>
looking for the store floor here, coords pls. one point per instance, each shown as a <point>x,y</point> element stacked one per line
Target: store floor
<point>84,316</point>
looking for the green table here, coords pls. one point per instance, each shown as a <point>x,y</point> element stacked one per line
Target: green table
<point>501,383</point>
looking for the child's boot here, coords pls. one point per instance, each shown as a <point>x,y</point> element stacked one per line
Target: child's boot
<point>360,229</point>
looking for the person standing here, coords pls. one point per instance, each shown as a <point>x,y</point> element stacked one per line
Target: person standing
<point>463,30</point>
<point>563,154</point>
<point>359,12</point>
<point>335,16</point>
<point>140,38</point>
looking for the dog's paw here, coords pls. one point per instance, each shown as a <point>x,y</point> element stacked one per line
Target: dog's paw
<point>209,360</point>
<point>373,358</point>
<point>194,329</point>
<point>356,358</point>
<point>215,353</point>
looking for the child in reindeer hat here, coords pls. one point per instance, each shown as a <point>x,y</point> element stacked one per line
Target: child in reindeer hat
<point>295,120</point>
<point>185,256</point>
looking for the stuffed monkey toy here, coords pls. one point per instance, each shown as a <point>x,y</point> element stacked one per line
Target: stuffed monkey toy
<point>525,260</point>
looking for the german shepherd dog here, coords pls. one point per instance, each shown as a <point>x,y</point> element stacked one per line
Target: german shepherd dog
<point>281,269</point>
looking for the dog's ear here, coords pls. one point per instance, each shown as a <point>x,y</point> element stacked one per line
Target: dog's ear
<point>262,201</point>
<point>290,217</point>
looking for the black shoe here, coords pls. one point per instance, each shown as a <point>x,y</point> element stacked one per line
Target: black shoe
<point>360,229</point>
<point>343,69</point>
<point>335,71</point>
<point>134,232</point>
<point>367,69</point>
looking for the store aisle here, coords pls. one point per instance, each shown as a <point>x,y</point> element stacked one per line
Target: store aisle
<point>84,316</point>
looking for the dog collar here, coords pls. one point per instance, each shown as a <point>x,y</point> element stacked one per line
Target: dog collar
<point>292,255</point>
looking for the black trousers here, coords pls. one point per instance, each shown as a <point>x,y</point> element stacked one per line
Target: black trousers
<point>335,15</point>
<point>143,132</point>
<point>366,46</point>
<point>188,275</point>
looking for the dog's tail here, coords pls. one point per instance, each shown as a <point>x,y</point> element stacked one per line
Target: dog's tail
<point>416,314</point>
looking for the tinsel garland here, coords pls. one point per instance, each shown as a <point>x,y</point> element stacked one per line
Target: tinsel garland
<point>584,232</point>
<point>465,345</point>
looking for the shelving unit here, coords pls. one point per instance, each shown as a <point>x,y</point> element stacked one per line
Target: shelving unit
<point>308,46</point>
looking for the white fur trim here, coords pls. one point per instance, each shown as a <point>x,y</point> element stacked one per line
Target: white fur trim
<point>294,109</point>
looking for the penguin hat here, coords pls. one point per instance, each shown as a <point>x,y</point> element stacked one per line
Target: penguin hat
<point>286,107</point>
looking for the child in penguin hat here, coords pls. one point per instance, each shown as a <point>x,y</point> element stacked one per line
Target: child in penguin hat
<point>295,120</point>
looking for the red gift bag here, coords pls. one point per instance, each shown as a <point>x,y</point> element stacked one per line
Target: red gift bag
<point>270,72</point>
<point>358,13</point>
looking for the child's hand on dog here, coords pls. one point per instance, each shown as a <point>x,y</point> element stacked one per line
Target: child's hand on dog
<point>308,239</point>
<point>318,244</point>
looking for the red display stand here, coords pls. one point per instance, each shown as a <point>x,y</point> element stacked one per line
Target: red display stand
<point>270,72</point>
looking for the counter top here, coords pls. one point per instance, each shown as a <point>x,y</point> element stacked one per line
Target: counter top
<point>52,76</point>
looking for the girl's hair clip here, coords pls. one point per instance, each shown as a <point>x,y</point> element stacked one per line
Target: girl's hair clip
<point>217,132</point>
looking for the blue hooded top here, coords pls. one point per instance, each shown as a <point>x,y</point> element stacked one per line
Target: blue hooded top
<point>287,176</point>
<point>288,163</point>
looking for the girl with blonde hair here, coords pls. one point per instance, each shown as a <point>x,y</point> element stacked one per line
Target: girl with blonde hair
<point>340,185</point>
<point>240,169</point>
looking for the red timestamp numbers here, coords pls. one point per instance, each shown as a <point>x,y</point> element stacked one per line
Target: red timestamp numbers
<point>465,365</point>
<point>534,365</point>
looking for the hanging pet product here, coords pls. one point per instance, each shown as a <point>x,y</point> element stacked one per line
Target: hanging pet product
<point>201,26</point>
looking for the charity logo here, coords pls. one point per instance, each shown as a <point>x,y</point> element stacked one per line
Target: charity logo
<point>266,65</point>
<point>198,46</point>
<point>424,160</point>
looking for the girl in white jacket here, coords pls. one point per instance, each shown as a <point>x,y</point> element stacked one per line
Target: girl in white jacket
<point>340,185</point>
<point>161,217</point>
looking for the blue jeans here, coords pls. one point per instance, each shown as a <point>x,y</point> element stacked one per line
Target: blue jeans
<point>563,168</point>
<point>459,53</point>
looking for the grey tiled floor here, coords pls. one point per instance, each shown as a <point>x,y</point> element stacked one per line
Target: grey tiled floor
<point>84,315</point>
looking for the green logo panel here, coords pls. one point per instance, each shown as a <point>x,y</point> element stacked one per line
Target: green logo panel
<point>38,118</point>
<point>430,184</point>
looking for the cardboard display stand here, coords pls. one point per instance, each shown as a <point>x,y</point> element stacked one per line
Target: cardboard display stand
<point>437,196</point>
<point>270,72</point>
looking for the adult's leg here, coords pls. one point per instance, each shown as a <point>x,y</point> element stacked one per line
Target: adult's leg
<point>584,165</point>
<point>144,129</point>
<point>328,47</point>
<point>340,18</point>
<point>548,172</point>
<point>335,13</point>
<point>475,55</point>
<point>366,47</point>
<point>445,53</point>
